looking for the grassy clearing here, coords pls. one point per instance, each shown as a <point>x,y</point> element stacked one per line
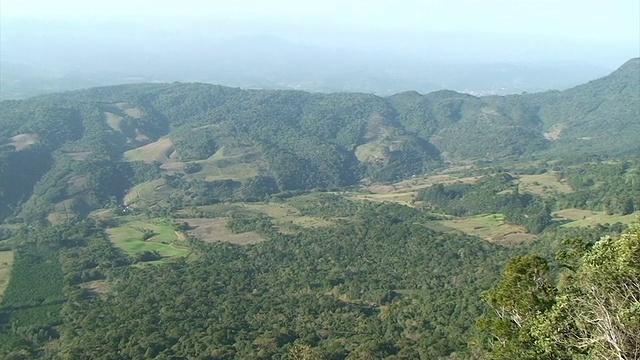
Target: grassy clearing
<point>404,192</point>
<point>214,171</point>
<point>215,230</point>
<point>580,218</point>
<point>114,121</point>
<point>129,109</point>
<point>23,141</point>
<point>80,155</point>
<point>68,210</point>
<point>274,210</point>
<point>128,237</point>
<point>6,264</point>
<point>373,151</point>
<point>284,215</point>
<point>407,198</point>
<point>543,184</point>
<point>161,151</point>
<point>145,193</point>
<point>492,227</point>
<point>229,163</point>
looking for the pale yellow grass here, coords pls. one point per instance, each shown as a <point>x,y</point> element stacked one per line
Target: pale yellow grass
<point>285,215</point>
<point>114,121</point>
<point>6,263</point>
<point>160,151</point>
<point>404,192</point>
<point>582,218</point>
<point>23,141</point>
<point>79,156</point>
<point>129,109</point>
<point>143,192</point>
<point>215,230</point>
<point>543,184</point>
<point>491,227</point>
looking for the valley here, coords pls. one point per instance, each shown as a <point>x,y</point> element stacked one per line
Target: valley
<point>200,221</point>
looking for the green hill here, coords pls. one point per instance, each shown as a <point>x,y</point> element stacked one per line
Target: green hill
<point>117,137</point>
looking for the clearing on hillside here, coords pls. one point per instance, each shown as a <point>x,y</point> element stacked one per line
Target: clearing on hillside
<point>492,227</point>
<point>80,155</point>
<point>6,263</point>
<point>236,163</point>
<point>555,131</point>
<point>583,218</point>
<point>404,192</point>
<point>543,184</point>
<point>148,193</point>
<point>114,121</point>
<point>23,141</point>
<point>69,210</point>
<point>214,230</point>
<point>96,288</point>
<point>283,215</point>
<point>160,151</point>
<point>128,236</point>
<point>129,109</point>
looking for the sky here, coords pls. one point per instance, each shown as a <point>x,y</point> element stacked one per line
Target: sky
<point>609,20</point>
<point>92,34</point>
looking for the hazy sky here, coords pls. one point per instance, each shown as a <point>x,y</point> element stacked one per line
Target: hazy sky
<point>168,39</point>
<point>609,20</point>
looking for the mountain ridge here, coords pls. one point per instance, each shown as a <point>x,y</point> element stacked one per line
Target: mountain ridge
<point>293,139</point>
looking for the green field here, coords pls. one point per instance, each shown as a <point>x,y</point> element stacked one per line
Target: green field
<point>128,237</point>
<point>6,263</point>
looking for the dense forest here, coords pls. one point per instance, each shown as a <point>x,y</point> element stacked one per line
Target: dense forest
<point>194,221</point>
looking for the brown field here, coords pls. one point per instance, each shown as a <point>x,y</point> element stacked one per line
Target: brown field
<point>23,141</point>
<point>214,230</point>
<point>6,262</point>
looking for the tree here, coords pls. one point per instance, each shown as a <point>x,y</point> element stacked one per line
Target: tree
<point>591,312</point>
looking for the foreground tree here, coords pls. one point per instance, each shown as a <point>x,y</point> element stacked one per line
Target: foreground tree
<point>591,312</point>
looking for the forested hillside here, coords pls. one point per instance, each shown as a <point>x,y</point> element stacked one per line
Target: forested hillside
<point>79,141</point>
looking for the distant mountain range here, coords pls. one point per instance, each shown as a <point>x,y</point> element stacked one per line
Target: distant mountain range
<point>267,62</point>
